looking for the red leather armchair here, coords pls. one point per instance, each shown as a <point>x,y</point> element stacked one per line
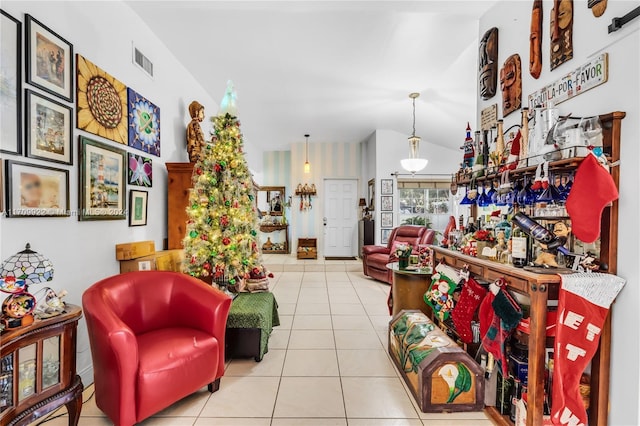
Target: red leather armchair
<point>375,258</point>
<point>155,338</point>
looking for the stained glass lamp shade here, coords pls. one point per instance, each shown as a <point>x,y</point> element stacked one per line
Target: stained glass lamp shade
<point>28,266</point>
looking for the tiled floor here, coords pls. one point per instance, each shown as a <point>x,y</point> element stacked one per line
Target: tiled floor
<point>327,365</point>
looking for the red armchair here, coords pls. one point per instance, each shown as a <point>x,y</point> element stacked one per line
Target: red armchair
<point>155,338</point>
<point>375,258</point>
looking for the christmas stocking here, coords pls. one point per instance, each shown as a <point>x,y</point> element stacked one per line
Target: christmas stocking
<point>485,313</point>
<point>583,306</point>
<point>593,188</point>
<point>462,314</point>
<point>440,293</point>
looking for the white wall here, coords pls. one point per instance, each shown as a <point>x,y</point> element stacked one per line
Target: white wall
<point>619,93</point>
<point>83,252</point>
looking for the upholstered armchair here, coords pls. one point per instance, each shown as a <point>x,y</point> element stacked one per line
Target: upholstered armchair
<point>375,258</point>
<point>155,338</point>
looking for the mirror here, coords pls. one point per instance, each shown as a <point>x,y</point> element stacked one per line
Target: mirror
<point>271,200</point>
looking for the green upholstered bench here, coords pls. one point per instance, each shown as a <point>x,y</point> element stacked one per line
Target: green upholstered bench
<point>251,319</point>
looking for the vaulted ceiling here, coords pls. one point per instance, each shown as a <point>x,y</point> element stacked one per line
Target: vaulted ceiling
<point>335,69</point>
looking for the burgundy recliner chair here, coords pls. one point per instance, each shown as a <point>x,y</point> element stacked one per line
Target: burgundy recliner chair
<point>375,258</point>
<point>155,338</point>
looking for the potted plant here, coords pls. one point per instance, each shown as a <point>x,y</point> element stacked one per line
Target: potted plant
<point>483,238</point>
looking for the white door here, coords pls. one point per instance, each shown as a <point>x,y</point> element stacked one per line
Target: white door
<point>340,217</point>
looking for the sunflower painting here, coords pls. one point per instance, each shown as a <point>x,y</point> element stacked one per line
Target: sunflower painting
<point>102,102</point>
<point>144,123</point>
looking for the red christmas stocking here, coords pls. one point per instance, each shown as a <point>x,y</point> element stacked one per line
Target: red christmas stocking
<point>462,314</point>
<point>593,188</point>
<point>583,306</point>
<point>485,313</point>
<point>506,316</point>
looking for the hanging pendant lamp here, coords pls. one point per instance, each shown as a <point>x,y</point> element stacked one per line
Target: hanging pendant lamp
<point>414,163</point>
<point>307,165</point>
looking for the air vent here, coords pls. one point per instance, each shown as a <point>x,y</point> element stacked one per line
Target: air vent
<point>142,61</point>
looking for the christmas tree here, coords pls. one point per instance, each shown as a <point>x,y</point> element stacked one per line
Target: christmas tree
<point>221,240</point>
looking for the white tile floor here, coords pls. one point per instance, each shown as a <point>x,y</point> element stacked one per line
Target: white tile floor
<point>327,365</point>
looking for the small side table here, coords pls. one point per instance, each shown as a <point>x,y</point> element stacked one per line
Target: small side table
<point>408,289</point>
<point>251,318</point>
<point>38,370</point>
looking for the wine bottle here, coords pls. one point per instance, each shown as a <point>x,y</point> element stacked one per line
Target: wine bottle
<point>516,394</point>
<point>519,244</point>
<point>539,233</point>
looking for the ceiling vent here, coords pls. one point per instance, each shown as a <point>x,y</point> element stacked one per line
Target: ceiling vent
<point>142,61</point>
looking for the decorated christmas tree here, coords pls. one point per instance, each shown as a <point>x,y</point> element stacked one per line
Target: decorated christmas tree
<point>221,238</point>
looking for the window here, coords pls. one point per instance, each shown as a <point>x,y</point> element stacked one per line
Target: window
<point>424,203</point>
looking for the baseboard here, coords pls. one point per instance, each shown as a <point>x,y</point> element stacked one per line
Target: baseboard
<point>87,376</point>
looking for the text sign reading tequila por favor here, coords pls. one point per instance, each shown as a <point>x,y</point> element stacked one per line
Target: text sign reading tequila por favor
<point>588,76</point>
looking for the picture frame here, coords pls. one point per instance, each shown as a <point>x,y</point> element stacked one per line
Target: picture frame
<point>386,203</point>
<point>138,202</point>
<point>386,219</point>
<point>49,64</point>
<point>140,170</point>
<point>103,180</point>
<point>144,123</point>
<point>48,129</point>
<point>384,236</point>
<point>36,191</point>
<point>386,187</point>
<point>371,193</point>
<point>11,93</point>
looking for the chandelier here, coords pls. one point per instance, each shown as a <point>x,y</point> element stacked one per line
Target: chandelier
<point>414,163</point>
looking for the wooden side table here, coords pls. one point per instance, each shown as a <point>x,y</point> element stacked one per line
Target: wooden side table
<point>38,370</point>
<point>408,289</point>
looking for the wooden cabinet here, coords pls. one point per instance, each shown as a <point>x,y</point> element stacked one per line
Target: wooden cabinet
<point>540,288</point>
<point>274,228</point>
<point>38,370</point>
<point>366,234</point>
<point>179,184</point>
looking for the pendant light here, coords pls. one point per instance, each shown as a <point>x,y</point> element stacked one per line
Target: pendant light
<point>307,165</point>
<point>414,163</point>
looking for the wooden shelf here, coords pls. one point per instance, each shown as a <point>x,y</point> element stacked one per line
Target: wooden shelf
<point>273,228</point>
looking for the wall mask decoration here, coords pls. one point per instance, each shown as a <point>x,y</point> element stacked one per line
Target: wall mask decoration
<point>511,85</point>
<point>535,40</point>
<point>561,32</point>
<point>597,7</point>
<point>488,64</point>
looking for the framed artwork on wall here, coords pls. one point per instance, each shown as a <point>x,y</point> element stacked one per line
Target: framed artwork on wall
<point>49,62</point>
<point>384,236</point>
<point>140,171</point>
<point>138,201</point>
<point>386,219</point>
<point>36,191</point>
<point>101,103</point>
<point>386,203</point>
<point>371,188</point>
<point>10,95</point>
<point>102,181</point>
<point>49,126</point>
<point>144,123</point>
<point>386,187</point>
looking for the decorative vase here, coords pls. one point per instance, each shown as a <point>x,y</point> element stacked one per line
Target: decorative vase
<point>403,262</point>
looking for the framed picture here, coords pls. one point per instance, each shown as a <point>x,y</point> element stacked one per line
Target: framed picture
<point>49,60</point>
<point>371,187</point>
<point>102,102</point>
<point>140,171</point>
<point>11,89</point>
<point>138,201</point>
<point>49,128</point>
<point>384,236</point>
<point>386,219</point>
<point>36,191</point>
<point>386,203</point>
<point>144,123</point>
<point>386,187</point>
<point>102,181</point>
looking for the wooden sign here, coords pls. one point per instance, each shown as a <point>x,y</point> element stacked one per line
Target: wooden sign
<point>489,117</point>
<point>590,75</point>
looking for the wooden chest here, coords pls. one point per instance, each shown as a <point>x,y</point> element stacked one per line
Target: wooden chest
<point>442,377</point>
<point>307,248</point>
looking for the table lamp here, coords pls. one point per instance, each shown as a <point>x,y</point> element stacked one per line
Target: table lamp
<point>17,273</point>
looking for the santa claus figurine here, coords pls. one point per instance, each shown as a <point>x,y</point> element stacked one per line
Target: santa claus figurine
<point>514,151</point>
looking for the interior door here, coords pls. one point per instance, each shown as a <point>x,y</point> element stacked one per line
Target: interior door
<point>340,217</point>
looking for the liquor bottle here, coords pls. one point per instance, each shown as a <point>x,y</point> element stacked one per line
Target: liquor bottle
<point>516,394</point>
<point>519,245</point>
<point>471,227</point>
<point>504,225</point>
<point>539,233</point>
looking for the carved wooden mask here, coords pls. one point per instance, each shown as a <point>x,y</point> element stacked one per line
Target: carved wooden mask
<point>597,7</point>
<point>561,32</point>
<point>511,85</point>
<point>488,64</point>
<point>535,40</point>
